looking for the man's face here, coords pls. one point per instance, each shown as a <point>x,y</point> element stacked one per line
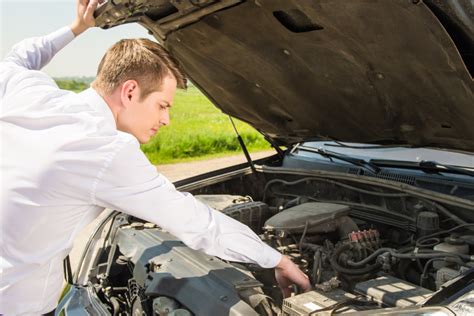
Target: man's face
<point>143,118</point>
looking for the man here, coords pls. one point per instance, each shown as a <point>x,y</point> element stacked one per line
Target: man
<point>67,156</point>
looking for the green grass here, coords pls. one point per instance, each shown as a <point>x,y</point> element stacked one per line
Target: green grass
<point>199,129</point>
<point>72,85</point>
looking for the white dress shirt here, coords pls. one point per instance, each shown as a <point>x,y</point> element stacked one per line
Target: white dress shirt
<point>62,162</point>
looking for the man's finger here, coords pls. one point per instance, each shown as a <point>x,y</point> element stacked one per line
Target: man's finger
<point>285,291</point>
<point>307,287</point>
<point>303,282</point>
<point>91,8</point>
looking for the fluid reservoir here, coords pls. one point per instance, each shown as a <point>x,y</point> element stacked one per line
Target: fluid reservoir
<point>453,245</point>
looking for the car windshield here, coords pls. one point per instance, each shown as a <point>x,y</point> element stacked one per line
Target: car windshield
<point>373,152</point>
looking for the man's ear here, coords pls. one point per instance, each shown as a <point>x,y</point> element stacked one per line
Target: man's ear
<point>129,92</point>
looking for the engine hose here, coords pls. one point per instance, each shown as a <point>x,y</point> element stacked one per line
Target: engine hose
<point>350,271</point>
<point>313,247</point>
<point>371,257</point>
<point>423,254</point>
<point>424,275</point>
<point>429,255</point>
<point>420,240</point>
<point>449,214</point>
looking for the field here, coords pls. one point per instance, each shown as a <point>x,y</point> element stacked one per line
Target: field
<point>76,85</point>
<point>197,130</point>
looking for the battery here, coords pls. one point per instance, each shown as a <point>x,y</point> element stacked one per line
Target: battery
<point>304,304</point>
<point>392,292</point>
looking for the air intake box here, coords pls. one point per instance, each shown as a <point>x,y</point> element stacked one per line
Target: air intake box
<point>319,217</point>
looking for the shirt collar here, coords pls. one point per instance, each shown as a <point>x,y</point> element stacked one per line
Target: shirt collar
<point>94,99</point>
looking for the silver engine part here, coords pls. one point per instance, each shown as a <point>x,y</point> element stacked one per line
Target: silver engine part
<point>386,291</point>
<point>446,274</point>
<point>390,291</point>
<point>221,201</point>
<point>313,218</point>
<point>307,303</point>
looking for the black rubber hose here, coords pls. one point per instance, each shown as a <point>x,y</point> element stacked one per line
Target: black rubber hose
<point>423,254</point>
<point>449,214</point>
<point>424,275</point>
<point>313,247</point>
<point>421,239</point>
<point>371,257</point>
<point>350,271</point>
<point>429,255</point>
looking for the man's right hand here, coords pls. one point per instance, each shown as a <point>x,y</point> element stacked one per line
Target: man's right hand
<point>287,273</point>
<point>84,16</point>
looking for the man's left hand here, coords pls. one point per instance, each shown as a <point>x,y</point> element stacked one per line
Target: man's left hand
<point>84,16</point>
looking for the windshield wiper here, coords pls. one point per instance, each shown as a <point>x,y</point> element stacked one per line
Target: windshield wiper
<point>425,165</point>
<point>330,154</point>
<point>341,144</point>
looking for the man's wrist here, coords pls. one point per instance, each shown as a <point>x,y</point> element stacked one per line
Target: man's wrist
<point>284,262</point>
<point>78,28</point>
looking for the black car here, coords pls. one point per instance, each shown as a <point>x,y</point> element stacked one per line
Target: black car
<point>369,106</point>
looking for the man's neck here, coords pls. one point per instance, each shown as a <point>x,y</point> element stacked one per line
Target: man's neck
<point>113,102</point>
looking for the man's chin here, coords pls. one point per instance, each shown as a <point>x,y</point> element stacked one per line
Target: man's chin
<point>143,141</point>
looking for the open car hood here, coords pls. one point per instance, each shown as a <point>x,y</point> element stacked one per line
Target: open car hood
<point>371,71</point>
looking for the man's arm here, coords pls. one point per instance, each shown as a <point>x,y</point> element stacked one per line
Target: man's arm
<point>131,184</point>
<point>35,53</point>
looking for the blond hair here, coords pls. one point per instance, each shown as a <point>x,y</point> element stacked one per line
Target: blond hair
<point>142,60</point>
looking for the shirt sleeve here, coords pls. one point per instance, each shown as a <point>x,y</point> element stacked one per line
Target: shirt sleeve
<point>130,183</point>
<point>34,53</point>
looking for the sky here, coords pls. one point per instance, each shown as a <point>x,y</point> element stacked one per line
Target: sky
<point>20,19</point>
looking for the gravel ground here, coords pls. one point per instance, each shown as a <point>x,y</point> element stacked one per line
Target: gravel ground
<point>174,172</point>
<point>184,170</point>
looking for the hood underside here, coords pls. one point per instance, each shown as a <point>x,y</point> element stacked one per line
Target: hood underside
<point>369,71</point>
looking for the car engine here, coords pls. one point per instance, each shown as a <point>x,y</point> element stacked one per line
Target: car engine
<point>357,259</point>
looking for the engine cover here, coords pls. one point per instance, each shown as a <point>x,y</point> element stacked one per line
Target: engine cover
<point>318,217</point>
<point>205,285</point>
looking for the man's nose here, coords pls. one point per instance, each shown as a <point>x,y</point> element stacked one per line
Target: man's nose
<point>165,118</point>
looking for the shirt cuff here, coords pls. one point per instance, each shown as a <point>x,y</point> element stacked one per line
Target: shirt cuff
<point>271,257</point>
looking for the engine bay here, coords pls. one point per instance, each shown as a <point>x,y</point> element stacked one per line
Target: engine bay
<point>364,248</point>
